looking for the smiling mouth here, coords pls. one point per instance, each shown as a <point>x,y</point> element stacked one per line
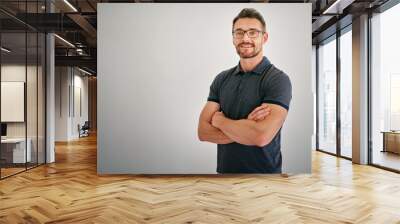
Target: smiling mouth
<point>246,46</point>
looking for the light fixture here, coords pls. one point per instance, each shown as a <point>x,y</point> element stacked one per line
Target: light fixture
<point>331,7</point>
<point>70,5</point>
<point>338,6</point>
<point>79,51</point>
<point>5,50</point>
<point>64,40</point>
<point>84,71</point>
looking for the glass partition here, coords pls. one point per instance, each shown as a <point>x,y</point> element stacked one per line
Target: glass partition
<point>41,88</point>
<point>32,95</point>
<point>22,77</point>
<point>13,92</point>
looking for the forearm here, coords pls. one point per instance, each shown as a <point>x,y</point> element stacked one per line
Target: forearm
<point>209,133</point>
<point>241,131</point>
<point>250,132</point>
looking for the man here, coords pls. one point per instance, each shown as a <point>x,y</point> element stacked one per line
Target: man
<point>247,104</point>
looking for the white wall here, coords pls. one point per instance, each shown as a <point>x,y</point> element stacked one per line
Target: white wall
<point>156,63</point>
<point>79,117</point>
<point>62,80</point>
<point>68,81</point>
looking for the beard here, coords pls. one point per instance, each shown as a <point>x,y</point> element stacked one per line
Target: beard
<point>250,52</point>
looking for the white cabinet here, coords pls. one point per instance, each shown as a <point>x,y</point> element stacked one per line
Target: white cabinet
<point>18,149</point>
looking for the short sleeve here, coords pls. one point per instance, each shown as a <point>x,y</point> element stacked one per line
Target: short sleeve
<point>215,87</point>
<point>278,90</point>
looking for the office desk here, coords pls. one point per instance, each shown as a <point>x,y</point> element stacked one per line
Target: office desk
<point>13,150</point>
<point>391,141</point>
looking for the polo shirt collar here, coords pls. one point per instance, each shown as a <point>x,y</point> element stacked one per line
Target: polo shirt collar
<point>257,70</point>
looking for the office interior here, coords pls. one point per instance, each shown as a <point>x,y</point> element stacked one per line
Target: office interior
<point>49,92</point>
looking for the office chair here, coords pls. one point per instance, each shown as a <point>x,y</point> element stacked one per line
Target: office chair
<point>84,130</point>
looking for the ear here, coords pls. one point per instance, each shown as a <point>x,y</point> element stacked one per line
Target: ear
<point>265,37</point>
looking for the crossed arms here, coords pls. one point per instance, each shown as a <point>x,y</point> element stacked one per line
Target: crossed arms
<point>258,129</point>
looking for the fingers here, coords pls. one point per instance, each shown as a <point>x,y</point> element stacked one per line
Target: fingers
<point>251,115</point>
<point>259,110</point>
<point>259,113</point>
<point>263,106</point>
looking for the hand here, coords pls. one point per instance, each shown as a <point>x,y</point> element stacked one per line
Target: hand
<point>217,118</point>
<point>259,113</point>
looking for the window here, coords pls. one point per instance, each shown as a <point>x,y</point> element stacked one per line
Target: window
<point>327,96</point>
<point>346,94</point>
<point>385,88</point>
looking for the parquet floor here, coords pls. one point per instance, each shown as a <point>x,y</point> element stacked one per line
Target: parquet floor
<point>10,171</point>
<point>70,191</point>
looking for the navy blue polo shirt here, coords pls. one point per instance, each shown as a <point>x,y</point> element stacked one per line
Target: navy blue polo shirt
<point>239,93</point>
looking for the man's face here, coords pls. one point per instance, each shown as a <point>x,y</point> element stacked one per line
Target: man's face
<point>247,47</point>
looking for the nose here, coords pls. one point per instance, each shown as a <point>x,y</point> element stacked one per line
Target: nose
<point>246,37</point>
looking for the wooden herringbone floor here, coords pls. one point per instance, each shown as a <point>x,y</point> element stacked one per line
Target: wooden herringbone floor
<point>70,191</point>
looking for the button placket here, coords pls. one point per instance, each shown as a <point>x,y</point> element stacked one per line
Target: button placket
<point>239,95</point>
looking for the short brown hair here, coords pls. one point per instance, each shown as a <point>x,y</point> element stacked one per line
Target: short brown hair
<point>250,13</point>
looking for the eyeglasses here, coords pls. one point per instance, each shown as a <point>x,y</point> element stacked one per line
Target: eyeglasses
<point>253,33</point>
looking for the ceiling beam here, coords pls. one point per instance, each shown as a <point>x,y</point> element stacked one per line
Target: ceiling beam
<point>84,61</point>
